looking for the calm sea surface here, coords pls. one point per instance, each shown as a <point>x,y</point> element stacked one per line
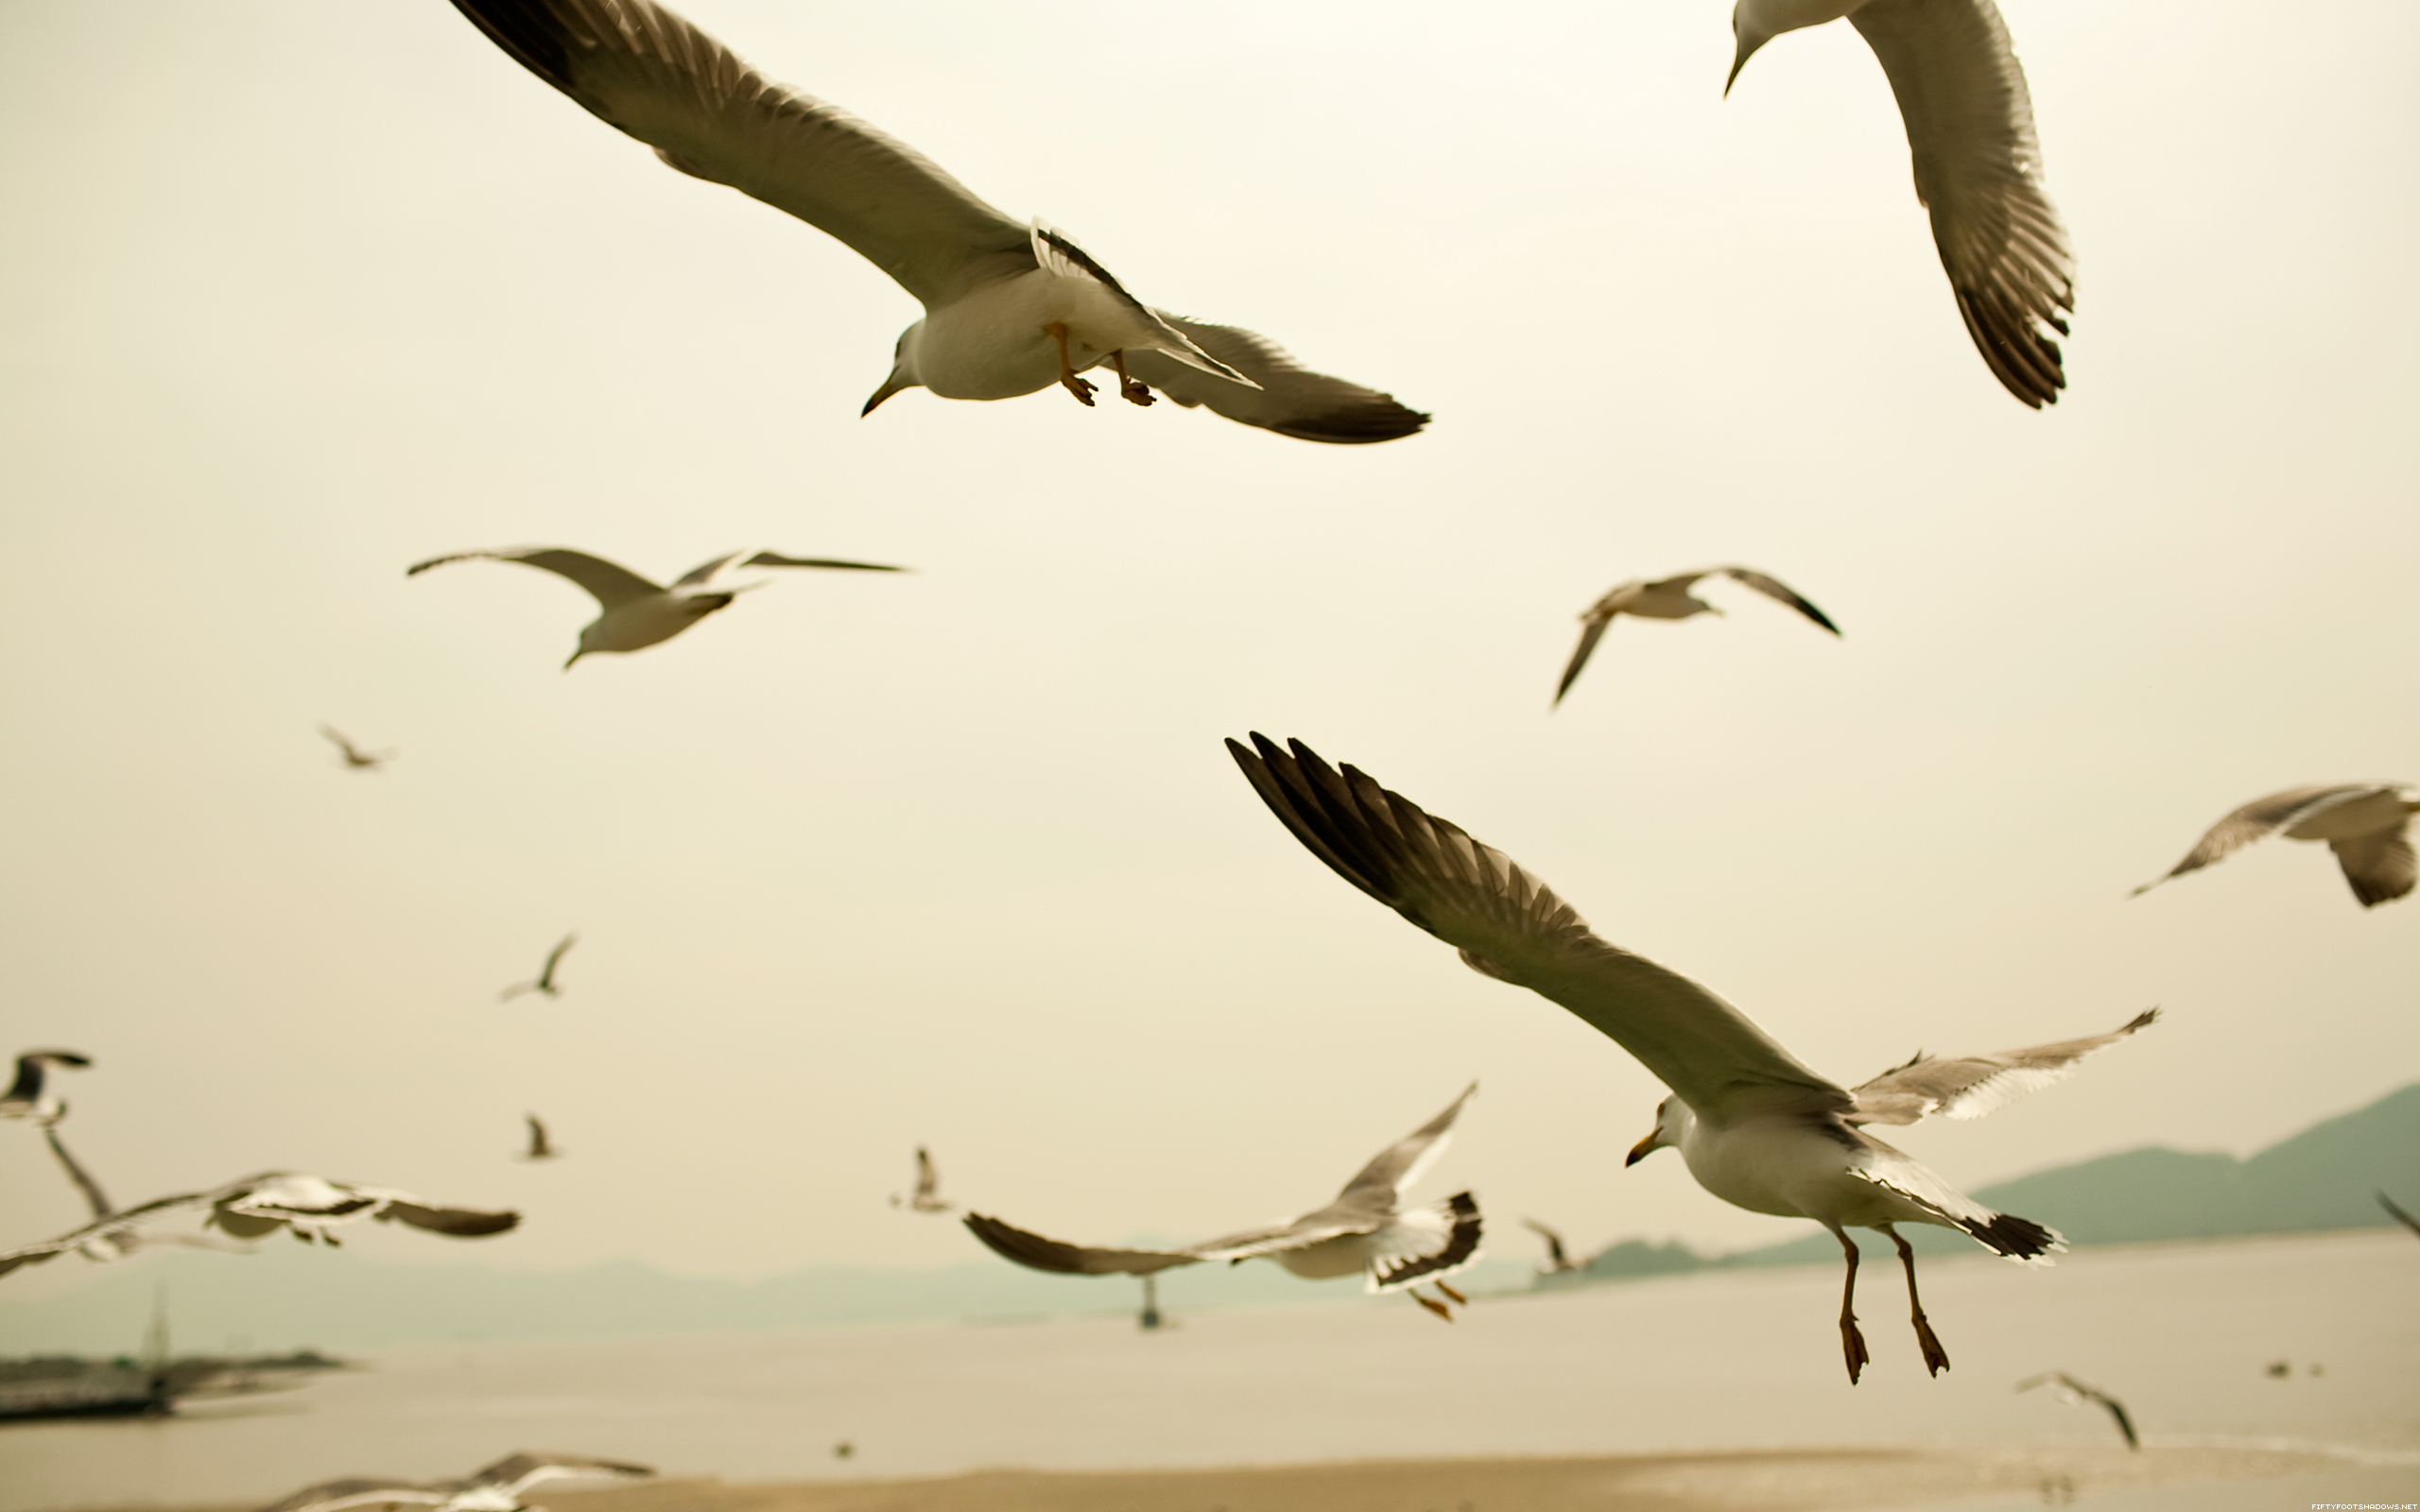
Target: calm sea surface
<point>2184,1333</point>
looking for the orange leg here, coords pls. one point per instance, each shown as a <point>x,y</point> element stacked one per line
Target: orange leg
<point>1068,379</point>
<point>1455,1294</point>
<point>1438,1308</point>
<point>1936,1358</point>
<point>1129,389</point>
<point>1852,1342</point>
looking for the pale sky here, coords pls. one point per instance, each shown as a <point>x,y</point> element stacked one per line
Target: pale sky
<point>295,294</point>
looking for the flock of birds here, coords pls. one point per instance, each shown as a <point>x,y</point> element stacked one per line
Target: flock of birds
<point>1014,307</point>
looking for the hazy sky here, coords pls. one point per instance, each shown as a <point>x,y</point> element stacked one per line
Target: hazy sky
<point>295,294</point>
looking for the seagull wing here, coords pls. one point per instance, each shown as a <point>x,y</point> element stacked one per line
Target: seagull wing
<point>103,1228</point>
<point>2378,865</point>
<point>1291,399</point>
<point>774,558</point>
<point>1430,1244</point>
<point>351,752</point>
<point>2396,1212</point>
<point>1592,630</point>
<point>1511,926</point>
<point>646,72</point>
<point>1774,588</point>
<point>358,1492</point>
<point>461,1223</point>
<point>554,957</point>
<point>1971,1085</point>
<point>2256,819</point>
<point>1556,1255</point>
<point>1970,128</point>
<point>611,585</point>
<point>1037,1253</point>
<point>1380,1186</point>
<point>94,1197</point>
<point>515,1473</point>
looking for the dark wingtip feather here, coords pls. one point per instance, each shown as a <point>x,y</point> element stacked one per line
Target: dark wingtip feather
<point>2015,1238</point>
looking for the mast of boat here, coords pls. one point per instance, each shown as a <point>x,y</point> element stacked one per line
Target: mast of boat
<point>155,1349</point>
<point>1151,1318</point>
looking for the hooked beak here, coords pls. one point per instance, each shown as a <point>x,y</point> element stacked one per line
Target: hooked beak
<point>1640,1151</point>
<point>889,386</point>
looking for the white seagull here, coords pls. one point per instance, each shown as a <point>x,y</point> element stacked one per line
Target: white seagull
<point>545,981</point>
<point>1364,1230</point>
<point>28,1095</point>
<point>638,614</point>
<point>305,1206</point>
<point>927,1195</point>
<point>1011,307</point>
<point>1979,168</point>
<point>1759,1129</point>
<point>1668,598</point>
<point>2367,824</point>
<point>353,756</point>
<point>496,1489</point>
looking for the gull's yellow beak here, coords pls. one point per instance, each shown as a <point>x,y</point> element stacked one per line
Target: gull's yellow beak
<point>889,386</point>
<point>1641,1150</point>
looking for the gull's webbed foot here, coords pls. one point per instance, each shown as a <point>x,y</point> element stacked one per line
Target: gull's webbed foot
<point>1936,1358</point>
<point>1853,1345</point>
<point>1436,1306</point>
<point>1068,379</point>
<point>1129,389</point>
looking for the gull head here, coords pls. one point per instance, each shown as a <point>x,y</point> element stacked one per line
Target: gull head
<point>1755,23</point>
<point>1671,1126</point>
<point>903,370</point>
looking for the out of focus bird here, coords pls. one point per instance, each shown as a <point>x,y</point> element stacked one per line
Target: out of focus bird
<point>2367,824</point>
<point>927,1195</point>
<point>638,614</point>
<point>1979,167</point>
<point>1757,1128</point>
<point>2400,1216</point>
<point>541,1148</point>
<point>543,983</point>
<point>496,1489</point>
<point>1366,1229</point>
<point>2076,1394</point>
<point>1011,307</point>
<point>1558,1260</point>
<point>305,1206</point>
<point>353,756</point>
<point>29,1096</point>
<point>1668,598</point>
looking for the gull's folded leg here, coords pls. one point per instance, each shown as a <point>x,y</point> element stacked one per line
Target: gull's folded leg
<point>1936,1358</point>
<point>1455,1294</point>
<point>1852,1342</point>
<point>1068,379</point>
<point>1132,389</point>
<point>1438,1308</point>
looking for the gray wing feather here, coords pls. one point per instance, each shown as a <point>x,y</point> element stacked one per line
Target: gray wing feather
<point>1774,588</point>
<point>1592,630</point>
<point>1380,1186</point>
<point>115,1223</point>
<point>1971,1085</point>
<point>94,1197</point>
<point>2257,818</point>
<point>609,585</point>
<point>1291,399</point>
<point>357,1491</point>
<point>2379,866</point>
<point>650,74</point>
<point>515,1473</point>
<point>1037,1253</point>
<point>1970,129</point>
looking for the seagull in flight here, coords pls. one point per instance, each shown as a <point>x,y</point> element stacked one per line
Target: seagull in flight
<point>1364,1230</point>
<point>638,614</point>
<point>1558,1260</point>
<point>496,1489</point>
<point>1668,598</point>
<point>304,1205</point>
<point>541,1148</point>
<point>545,982</point>
<point>927,1195</point>
<point>1757,1128</point>
<point>1979,168</point>
<point>1011,307</point>
<point>2075,1393</point>
<point>29,1096</point>
<point>353,756</point>
<point>2367,824</point>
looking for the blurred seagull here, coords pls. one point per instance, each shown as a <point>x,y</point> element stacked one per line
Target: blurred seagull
<point>353,756</point>
<point>2367,824</point>
<point>304,1205</point>
<point>1979,168</point>
<point>540,1148</point>
<point>498,1489</point>
<point>1757,1128</point>
<point>927,1195</point>
<point>2399,1215</point>
<point>28,1096</point>
<point>2075,1393</point>
<point>1668,598</point>
<point>1009,307</point>
<point>1558,1261</point>
<point>545,979</point>
<point>1365,1229</point>
<point>639,613</point>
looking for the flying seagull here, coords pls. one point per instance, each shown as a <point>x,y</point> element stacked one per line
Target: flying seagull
<point>1364,1230</point>
<point>927,1195</point>
<point>638,614</point>
<point>1011,307</point>
<point>1757,1128</point>
<point>2398,1213</point>
<point>1668,598</point>
<point>1979,168</point>
<point>2075,1393</point>
<point>353,756</point>
<point>545,979</point>
<point>2367,824</point>
<point>305,1206</point>
<point>540,1147</point>
<point>28,1096</point>
<point>498,1489</point>
<point>1558,1260</point>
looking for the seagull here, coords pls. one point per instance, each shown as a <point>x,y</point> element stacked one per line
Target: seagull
<point>2075,1393</point>
<point>927,1195</point>
<point>1557,1263</point>
<point>498,1489</point>
<point>26,1097</point>
<point>305,1206</point>
<point>1011,307</point>
<point>1364,1230</point>
<point>2399,1215</point>
<point>122,1243</point>
<point>353,756</point>
<point>1668,598</point>
<point>545,979</point>
<point>1757,1128</point>
<point>1979,168</point>
<point>638,614</point>
<point>539,1147</point>
<point>2367,824</point>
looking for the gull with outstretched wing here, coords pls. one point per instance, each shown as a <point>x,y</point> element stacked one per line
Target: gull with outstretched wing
<point>29,1095</point>
<point>1668,598</point>
<point>2367,824</point>
<point>355,758</point>
<point>927,1195</point>
<point>543,983</point>
<point>2074,1393</point>
<point>496,1489</point>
